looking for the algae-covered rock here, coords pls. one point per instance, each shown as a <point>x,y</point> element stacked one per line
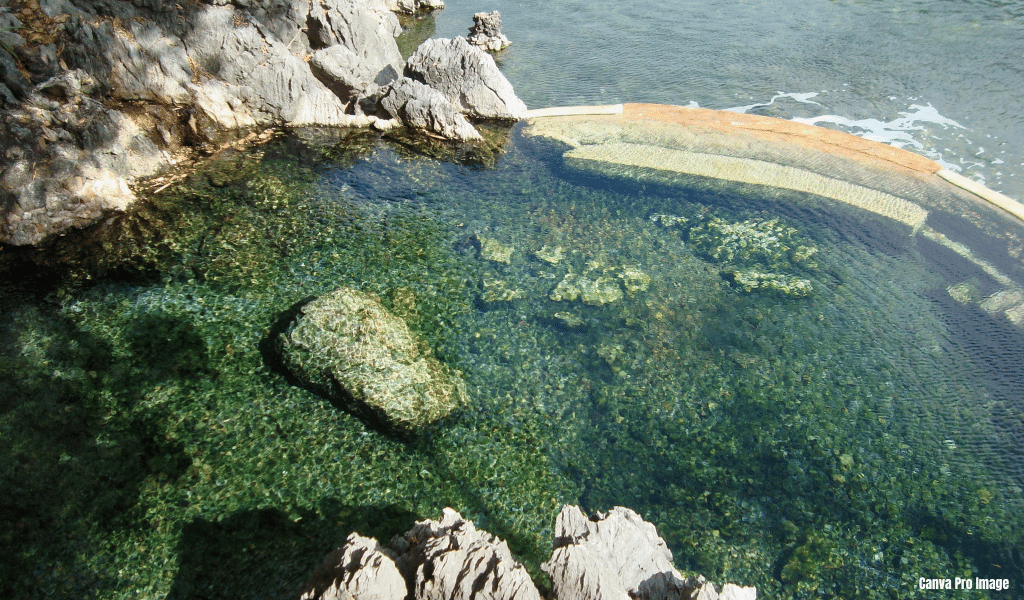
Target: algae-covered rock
<point>752,280</point>
<point>550,255</point>
<point>569,320</point>
<point>498,290</point>
<point>768,243</point>
<point>595,292</point>
<point>346,347</point>
<point>634,279</point>
<point>964,292</point>
<point>495,251</point>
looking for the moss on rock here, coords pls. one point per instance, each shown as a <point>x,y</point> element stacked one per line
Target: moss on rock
<point>345,346</point>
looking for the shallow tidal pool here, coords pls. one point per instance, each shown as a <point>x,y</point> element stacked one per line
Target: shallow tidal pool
<point>800,396</point>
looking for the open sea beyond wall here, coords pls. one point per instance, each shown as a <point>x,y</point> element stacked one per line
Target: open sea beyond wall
<point>841,435</point>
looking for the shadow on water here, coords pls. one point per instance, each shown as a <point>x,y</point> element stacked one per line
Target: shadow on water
<point>67,473</point>
<point>263,554</point>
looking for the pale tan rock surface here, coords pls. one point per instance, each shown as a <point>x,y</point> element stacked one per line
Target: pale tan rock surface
<point>611,556</point>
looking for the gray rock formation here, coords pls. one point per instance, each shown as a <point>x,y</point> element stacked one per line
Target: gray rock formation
<point>359,570</point>
<point>423,107</point>
<point>618,555</point>
<point>467,76</point>
<point>614,556</point>
<point>345,346</point>
<point>70,159</point>
<point>348,75</point>
<point>486,32</point>
<point>138,87</point>
<point>451,559</point>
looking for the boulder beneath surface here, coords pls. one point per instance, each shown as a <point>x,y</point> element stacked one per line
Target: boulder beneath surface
<point>348,348</point>
<point>467,76</point>
<point>486,32</point>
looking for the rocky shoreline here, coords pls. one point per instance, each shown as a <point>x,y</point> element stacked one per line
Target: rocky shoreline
<point>610,556</point>
<point>115,93</point>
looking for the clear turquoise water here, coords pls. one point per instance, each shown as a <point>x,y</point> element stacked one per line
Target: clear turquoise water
<point>838,443</point>
<point>842,443</point>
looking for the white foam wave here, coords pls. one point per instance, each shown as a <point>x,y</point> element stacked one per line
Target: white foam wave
<point>804,97</point>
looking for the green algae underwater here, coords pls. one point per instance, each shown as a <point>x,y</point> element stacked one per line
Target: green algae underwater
<point>781,388</point>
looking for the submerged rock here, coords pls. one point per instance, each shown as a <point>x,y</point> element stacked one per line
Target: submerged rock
<point>569,320</point>
<point>769,243</point>
<point>498,290</point>
<point>345,346</point>
<point>753,280</point>
<point>595,292</point>
<point>495,251</point>
<point>550,255</point>
<point>634,279</point>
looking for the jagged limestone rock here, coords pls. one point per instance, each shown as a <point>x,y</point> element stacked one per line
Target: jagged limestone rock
<point>618,555</point>
<point>467,76</point>
<point>359,570</point>
<point>615,555</point>
<point>423,107</point>
<point>612,556</point>
<point>451,560</point>
<point>486,32</point>
<point>345,346</point>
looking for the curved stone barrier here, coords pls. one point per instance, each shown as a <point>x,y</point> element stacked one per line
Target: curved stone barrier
<point>773,131</point>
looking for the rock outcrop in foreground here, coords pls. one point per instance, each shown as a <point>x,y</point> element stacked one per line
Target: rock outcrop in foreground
<point>346,347</point>
<point>611,556</point>
<point>118,91</point>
